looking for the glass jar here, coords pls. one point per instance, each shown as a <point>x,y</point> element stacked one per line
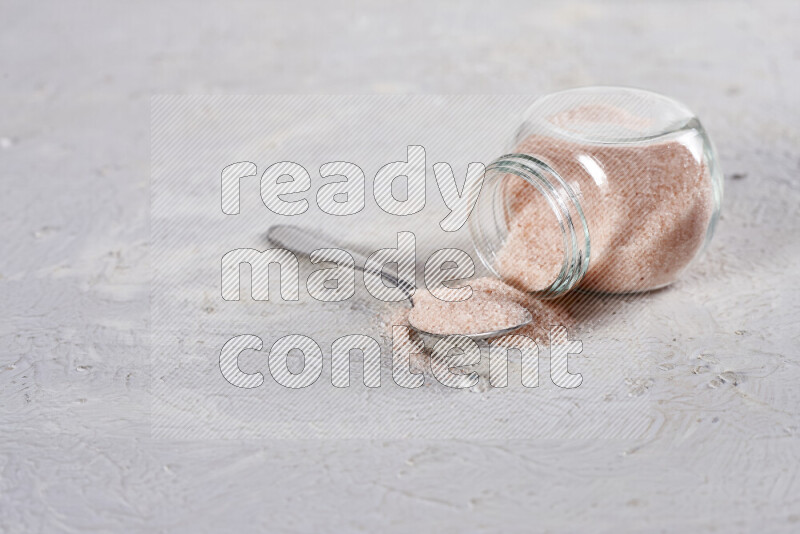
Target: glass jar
<point>606,189</point>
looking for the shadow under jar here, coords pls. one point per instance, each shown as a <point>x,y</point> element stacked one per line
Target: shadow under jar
<point>606,189</point>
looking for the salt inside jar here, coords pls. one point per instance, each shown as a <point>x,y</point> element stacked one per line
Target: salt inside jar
<point>607,189</point>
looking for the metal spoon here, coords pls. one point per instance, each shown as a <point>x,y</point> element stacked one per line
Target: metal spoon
<point>303,241</point>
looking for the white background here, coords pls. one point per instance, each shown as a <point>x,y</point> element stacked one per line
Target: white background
<point>75,447</point>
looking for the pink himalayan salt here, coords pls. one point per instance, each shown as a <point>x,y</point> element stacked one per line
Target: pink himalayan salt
<point>646,223</point>
<point>576,119</point>
<point>493,305</point>
<point>645,229</point>
<point>481,313</point>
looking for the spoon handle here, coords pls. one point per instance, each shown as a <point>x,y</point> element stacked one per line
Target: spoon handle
<point>304,241</point>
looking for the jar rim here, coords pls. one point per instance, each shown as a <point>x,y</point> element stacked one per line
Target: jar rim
<point>560,198</point>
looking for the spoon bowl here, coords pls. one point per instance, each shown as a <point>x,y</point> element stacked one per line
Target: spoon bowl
<point>477,336</point>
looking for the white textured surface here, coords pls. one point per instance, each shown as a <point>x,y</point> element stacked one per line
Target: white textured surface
<point>75,455</point>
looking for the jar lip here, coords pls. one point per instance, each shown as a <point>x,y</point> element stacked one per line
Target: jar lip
<point>566,207</point>
<point>618,99</point>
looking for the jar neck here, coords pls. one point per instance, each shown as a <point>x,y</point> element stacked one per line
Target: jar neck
<point>489,224</point>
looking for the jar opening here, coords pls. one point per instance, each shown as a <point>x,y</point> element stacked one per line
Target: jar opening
<point>528,227</point>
